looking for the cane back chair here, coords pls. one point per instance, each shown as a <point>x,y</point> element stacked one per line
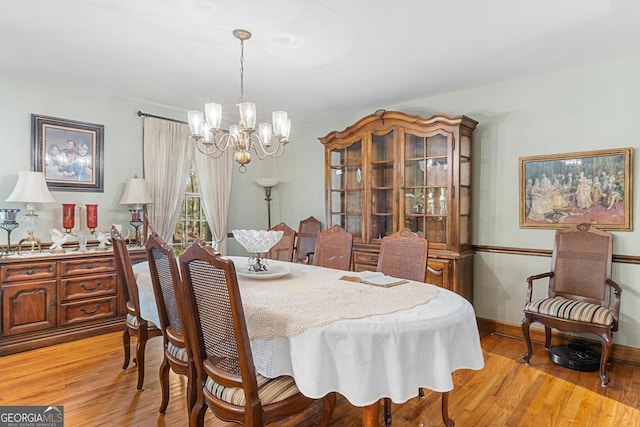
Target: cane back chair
<point>579,294</point>
<point>217,333</point>
<point>283,250</point>
<point>135,324</point>
<point>333,248</point>
<point>164,273</point>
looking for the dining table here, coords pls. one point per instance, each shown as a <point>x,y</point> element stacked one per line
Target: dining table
<point>338,331</point>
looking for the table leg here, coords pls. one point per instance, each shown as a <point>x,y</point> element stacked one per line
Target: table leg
<point>370,415</point>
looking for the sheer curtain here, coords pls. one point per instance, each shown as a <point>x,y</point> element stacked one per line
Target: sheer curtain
<point>214,183</point>
<point>167,155</point>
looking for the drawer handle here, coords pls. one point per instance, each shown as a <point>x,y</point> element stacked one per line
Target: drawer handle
<point>90,266</point>
<point>86,288</point>
<point>82,309</point>
<point>30,271</point>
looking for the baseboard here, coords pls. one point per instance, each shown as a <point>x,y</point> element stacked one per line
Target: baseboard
<point>619,352</point>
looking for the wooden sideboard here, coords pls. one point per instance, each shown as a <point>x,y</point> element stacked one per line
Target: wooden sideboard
<point>51,298</point>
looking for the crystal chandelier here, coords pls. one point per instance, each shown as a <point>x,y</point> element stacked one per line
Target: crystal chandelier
<point>267,140</point>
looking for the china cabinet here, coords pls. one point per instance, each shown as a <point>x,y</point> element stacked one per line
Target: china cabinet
<point>392,170</point>
<point>48,298</point>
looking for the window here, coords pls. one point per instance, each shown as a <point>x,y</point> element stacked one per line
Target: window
<point>192,222</point>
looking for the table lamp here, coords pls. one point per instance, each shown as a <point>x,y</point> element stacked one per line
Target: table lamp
<point>136,194</point>
<point>31,188</point>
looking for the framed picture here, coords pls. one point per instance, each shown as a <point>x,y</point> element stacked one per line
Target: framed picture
<point>70,153</point>
<point>562,190</point>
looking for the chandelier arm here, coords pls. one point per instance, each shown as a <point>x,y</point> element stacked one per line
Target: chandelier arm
<point>263,152</point>
<point>221,142</point>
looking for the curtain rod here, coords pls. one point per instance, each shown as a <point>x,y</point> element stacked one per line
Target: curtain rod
<point>141,114</point>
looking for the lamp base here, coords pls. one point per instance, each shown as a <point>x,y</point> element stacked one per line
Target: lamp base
<point>138,238</point>
<point>32,241</point>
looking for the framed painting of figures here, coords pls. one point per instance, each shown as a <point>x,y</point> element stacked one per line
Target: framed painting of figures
<point>562,190</point>
<point>70,153</point>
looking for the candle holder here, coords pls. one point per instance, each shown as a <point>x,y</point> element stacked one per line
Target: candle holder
<point>68,216</point>
<point>136,222</point>
<point>92,217</point>
<point>8,223</point>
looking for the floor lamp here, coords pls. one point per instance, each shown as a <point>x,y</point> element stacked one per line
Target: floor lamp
<point>268,184</point>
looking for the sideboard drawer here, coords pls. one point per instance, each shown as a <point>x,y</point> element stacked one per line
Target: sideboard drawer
<point>31,271</point>
<point>367,258</point>
<point>88,286</point>
<point>87,266</point>
<point>87,310</point>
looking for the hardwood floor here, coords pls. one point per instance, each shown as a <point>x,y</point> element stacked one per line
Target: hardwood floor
<point>85,377</point>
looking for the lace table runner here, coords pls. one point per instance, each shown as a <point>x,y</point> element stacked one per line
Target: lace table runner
<point>311,296</point>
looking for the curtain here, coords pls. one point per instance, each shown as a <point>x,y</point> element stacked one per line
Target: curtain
<point>167,156</point>
<point>214,183</point>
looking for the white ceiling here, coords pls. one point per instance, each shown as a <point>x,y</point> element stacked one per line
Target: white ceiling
<point>313,58</point>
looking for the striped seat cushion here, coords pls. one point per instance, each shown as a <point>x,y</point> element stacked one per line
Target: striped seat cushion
<point>132,320</point>
<point>178,353</point>
<point>270,390</point>
<point>572,310</point>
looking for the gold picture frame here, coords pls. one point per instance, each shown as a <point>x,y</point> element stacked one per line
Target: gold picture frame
<point>562,190</point>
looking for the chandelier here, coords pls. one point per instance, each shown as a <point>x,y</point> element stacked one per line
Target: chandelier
<point>268,140</point>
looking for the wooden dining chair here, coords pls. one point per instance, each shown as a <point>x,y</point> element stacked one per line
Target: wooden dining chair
<point>333,248</point>
<point>579,291</point>
<point>134,324</point>
<point>404,255</point>
<point>164,274</point>
<point>308,231</point>
<point>217,334</point>
<point>283,250</point>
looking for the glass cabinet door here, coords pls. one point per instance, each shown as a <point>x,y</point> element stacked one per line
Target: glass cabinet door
<point>426,186</point>
<point>381,221</point>
<point>346,197</point>
<point>465,190</point>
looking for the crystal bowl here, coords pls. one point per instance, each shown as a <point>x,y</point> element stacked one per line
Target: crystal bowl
<point>257,241</point>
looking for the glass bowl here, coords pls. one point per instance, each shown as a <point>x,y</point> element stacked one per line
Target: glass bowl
<point>257,241</point>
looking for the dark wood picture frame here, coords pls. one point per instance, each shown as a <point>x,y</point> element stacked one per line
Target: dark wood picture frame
<point>562,190</point>
<point>69,152</point>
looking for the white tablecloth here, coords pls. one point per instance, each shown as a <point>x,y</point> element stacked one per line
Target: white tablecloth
<point>366,359</point>
<point>146,296</point>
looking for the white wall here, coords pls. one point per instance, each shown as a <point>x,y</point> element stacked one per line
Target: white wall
<point>585,108</point>
<point>122,146</point>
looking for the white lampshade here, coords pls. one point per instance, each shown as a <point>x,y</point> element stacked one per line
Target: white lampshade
<point>136,193</point>
<point>267,182</point>
<point>30,188</point>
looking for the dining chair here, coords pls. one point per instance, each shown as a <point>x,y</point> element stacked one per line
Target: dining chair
<point>217,333</point>
<point>283,250</point>
<point>579,291</point>
<point>404,255</point>
<point>333,248</point>
<point>308,230</point>
<point>134,324</point>
<point>164,271</point>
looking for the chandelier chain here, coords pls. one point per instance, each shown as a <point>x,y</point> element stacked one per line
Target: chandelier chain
<point>241,70</point>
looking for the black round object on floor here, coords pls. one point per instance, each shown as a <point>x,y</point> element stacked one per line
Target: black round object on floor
<point>575,355</point>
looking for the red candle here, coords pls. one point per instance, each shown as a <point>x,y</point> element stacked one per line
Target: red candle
<point>68,216</point>
<point>92,216</point>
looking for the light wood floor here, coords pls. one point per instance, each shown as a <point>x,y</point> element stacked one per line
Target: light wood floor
<point>86,377</point>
